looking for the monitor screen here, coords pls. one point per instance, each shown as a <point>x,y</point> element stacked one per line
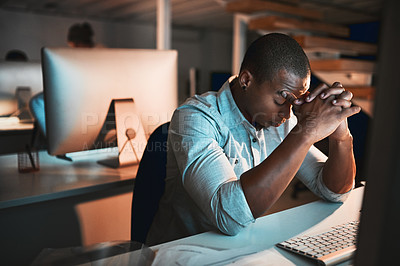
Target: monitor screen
<point>379,233</point>
<point>18,76</point>
<point>82,87</point>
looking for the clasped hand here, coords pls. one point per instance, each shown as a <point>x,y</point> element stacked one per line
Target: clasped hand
<point>324,111</point>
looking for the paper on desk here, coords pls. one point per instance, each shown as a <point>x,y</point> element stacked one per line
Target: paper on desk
<point>198,255</point>
<point>269,257</point>
<point>9,120</point>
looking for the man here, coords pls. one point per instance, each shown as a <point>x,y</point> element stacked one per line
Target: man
<point>80,35</point>
<point>231,154</point>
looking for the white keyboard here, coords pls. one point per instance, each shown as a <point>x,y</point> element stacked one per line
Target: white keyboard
<point>336,245</point>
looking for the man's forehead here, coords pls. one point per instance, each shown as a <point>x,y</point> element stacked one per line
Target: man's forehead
<point>299,92</point>
<point>295,85</point>
<point>293,82</point>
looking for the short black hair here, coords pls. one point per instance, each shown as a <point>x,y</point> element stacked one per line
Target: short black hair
<point>81,34</point>
<point>273,52</point>
<point>16,55</point>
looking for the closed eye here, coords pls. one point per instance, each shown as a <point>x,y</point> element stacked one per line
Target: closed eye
<point>280,104</point>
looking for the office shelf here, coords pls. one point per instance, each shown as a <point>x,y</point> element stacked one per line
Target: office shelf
<point>272,23</point>
<point>253,6</point>
<point>342,46</point>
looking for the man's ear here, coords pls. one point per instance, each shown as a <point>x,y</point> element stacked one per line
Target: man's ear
<point>245,78</point>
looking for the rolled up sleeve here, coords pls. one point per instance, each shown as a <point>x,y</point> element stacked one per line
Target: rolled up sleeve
<point>207,175</point>
<point>310,173</point>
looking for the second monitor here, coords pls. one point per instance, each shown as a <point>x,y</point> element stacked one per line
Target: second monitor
<point>82,87</point>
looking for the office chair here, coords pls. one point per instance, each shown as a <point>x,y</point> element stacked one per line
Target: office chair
<point>36,105</point>
<point>149,183</point>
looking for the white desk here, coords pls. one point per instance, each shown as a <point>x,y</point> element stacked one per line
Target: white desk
<point>260,238</point>
<point>63,204</point>
<point>13,124</point>
<point>59,178</point>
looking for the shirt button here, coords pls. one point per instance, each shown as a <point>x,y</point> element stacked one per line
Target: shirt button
<point>254,140</point>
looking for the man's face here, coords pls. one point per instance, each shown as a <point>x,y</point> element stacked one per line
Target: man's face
<point>267,107</point>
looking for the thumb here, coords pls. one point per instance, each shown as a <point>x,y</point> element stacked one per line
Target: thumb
<point>347,112</point>
<point>296,110</point>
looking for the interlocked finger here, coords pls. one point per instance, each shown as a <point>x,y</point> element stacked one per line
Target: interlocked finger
<point>346,95</point>
<point>342,103</point>
<point>336,89</point>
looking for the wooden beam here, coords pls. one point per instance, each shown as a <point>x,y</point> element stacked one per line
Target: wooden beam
<point>251,6</point>
<point>367,93</point>
<point>341,46</point>
<point>271,23</point>
<point>342,65</point>
<point>367,106</point>
<point>239,42</point>
<point>163,24</point>
<point>347,78</point>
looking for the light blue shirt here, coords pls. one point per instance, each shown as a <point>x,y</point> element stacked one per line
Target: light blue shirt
<point>210,145</point>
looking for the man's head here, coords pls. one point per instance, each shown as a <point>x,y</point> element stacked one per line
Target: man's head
<point>80,35</point>
<point>273,52</point>
<point>273,65</point>
<point>16,55</point>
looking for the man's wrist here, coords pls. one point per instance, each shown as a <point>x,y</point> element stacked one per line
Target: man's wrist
<point>341,144</point>
<point>345,138</point>
<point>303,135</point>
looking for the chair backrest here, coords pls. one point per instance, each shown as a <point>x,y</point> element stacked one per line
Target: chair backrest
<point>36,105</point>
<point>149,183</point>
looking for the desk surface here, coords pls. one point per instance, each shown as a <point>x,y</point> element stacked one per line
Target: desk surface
<point>11,124</point>
<point>258,240</point>
<point>59,178</point>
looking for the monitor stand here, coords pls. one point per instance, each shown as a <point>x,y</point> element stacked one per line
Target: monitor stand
<point>23,95</point>
<point>131,138</point>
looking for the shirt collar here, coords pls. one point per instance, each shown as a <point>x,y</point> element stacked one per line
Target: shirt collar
<point>228,109</point>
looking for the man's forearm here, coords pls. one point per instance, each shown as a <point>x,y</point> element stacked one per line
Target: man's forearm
<point>340,168</point>
<point>263,184</point>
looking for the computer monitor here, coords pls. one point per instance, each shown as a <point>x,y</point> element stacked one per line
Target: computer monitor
<point>92,93</point>
<point>379,232</point>
<point>18,82</point>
